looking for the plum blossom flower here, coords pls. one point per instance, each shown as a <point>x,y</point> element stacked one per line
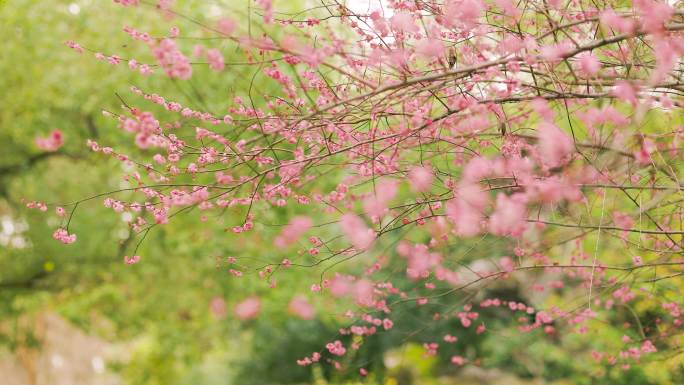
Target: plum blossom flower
<point>297,226</point>
<point>555,146</point>
<point>356,231</point>
<point>131,260</point>
<point>51,142</point>
<point>421,178</point>
<point>215,59</point>
<point>63,236</point>
<point>218,307</point>
<point>509,216</point>
<point>248,309</point>
<point>300,307</point>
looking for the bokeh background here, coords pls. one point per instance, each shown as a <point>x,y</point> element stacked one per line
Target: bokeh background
<point>79,315</point>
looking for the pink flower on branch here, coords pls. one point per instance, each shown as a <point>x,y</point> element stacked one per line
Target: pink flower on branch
<point>295,229</point>
<point>248,309</point>
<point>51,142</point>
<point>356,231</point>
<point>63,236</point>
<point>555,146</point>
<point>425,142</point>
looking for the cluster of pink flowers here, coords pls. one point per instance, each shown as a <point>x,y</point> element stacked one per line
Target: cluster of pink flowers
<point>248,309</point>
<point>300,307</point>
<point>315,357</point>
<point>51,142</point>
<point>357,231</point>
<point>296,228</point>
<point>73,45</point>
<point>131,260</point>
<point>463,124</point>
<point>37,205</point>
<point>63,236</point>
<point>172,60</point>
<point>137,35</point>
<point>215,59</point>
<point>127,3</point>
<point>336,348</point>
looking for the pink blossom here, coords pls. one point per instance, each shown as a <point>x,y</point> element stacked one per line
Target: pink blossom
<point>165,5</point>
<point>340,286</point>
<point>300,307</point>
<point>63,236</point>
<point>421,178</point>
<point>509,8</point>
<point>620,24</point>
<point>626,91</point>
<point>127,3</point>
<point>543,317</point>
<point>267,6</point>
<point>336,348</point>
<point>363,293</point>
<point>295,229</point>
<point>226,25</point>
<point>623,220</point>
<point>648,347</point>
<point>556,52</point>
<point>509,216</point>
<point>215,59</point>
<point>345,110</point>
<point>376,204</point>
<point>218,307</point>
<point>589,63</point>
<point>654,14</point>
<point>73,45</point>
<point>450,339</point>
<point>555,147</point>
<point>356,231</point>
<point>131,260</point>
<point>145,69</point>
<point>52,142</point>
<point>172,60</point>
<point>507,264</point>
<point>465,11</point>
<point>248,309</point>
<point>477,168</point>
<point>643,155</point>
<point>466,209</point>
<point>174,32</point>
<point>667,54</point>
<point>430,48</point>
<point>541,107</point>
<point>403,22</point>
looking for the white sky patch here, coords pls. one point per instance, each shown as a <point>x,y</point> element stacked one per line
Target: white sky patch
<point>365,8</point>
<point>368,6</point>
<point>74,9</point>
